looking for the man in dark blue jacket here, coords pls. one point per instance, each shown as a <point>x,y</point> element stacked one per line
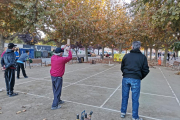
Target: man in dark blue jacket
<point>8,64</point>
<point>135,68</point>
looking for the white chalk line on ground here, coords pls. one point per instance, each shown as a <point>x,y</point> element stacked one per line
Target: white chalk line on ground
<point>75,83</point>
<point>170,86</point>
<point>110,96</point>
<point>76,70</point>
<point>88,77</point>
<point>43,79</point>
<point>25,82</point>
<point>157,95</point>
<point>112,110</point>
<point>92,86</point>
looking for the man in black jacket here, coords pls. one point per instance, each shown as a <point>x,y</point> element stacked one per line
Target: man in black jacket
<point>135,68</point>
<point>8,64</point>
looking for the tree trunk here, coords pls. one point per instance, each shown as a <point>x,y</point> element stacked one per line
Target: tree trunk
<point>1,45</point>
<point>156,56</point>
<point>147,53</point>
<point>58,45</point>
<point>86,53</point>
<point>120,48</point>
<point>102,52</point>
<point>112,52</point>
<point>177,53</point>
<point>98,50</point>
<point>150,53</point>
<point>77,53</point>
<point>165,55</point>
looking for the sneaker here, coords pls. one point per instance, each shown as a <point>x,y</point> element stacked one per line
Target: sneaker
<point>54,108</point>
<point>137,119</point>
<point>26,77</point>
<point>123,115</point>
<point>13,94</point>
<point>17,77</point>
<point>61,102</point>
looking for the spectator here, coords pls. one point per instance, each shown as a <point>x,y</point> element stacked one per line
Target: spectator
<point>1,57</point>
<point>2,54</point>
<point>57,71</point>
<point>168,56</point>
<point>135,68</point>
<point>20,64</point>
<point>8,64</point>
<point>17,54</point>
<point>174,56</point>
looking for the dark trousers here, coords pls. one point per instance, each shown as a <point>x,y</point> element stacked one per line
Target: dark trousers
<point>10,80</point>
<point>21,65</point>
<point>57,83</point>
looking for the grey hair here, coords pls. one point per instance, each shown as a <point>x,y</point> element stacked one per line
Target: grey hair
<point>136,44</point>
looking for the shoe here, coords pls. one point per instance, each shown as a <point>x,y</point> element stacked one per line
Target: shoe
<point>7,93</point>
<point>13,94</point>
<point>54,108</point>
<point>123,115</point>
<point>137,119</point>
<point>26,77</point>
<point>61,102</point>
<point>17,77</point>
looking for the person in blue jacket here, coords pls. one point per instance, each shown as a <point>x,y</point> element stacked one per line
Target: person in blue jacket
<point>20,64</point>
<point>17,54</point>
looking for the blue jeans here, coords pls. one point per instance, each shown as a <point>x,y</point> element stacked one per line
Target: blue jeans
<point>57,88</point>
<point>135,85</point>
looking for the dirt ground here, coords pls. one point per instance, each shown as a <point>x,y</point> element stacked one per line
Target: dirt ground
<point>94,88</point>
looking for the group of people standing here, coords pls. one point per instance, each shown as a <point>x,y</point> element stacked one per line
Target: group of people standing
<point>134,67</point>
<point>168,56</point>
<point>10,62</point>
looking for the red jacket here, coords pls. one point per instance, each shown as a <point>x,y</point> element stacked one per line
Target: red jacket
<point>58,64</point>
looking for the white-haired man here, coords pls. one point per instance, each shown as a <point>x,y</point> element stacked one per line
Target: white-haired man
<point>135,68</point>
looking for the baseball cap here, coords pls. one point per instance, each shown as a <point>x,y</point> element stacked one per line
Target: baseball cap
<point>59,50</point>
<point>11,45</point>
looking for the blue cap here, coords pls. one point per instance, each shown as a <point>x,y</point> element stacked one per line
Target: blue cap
<point>59,50</point>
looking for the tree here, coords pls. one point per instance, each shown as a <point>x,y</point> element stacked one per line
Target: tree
<point>27,16</point>
<point>176,47</point>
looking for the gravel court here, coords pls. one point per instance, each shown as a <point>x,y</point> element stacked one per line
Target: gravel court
<point>102,98</point>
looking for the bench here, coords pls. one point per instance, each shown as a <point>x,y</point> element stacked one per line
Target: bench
<point>175,65</point>
<point>37,61</point>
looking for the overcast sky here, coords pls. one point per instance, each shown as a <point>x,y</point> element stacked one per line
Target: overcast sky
<point>127,1</point>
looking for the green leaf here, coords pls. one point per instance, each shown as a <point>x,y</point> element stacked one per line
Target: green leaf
<point>179,4</point>
<point>177,17</point>
<point>154,17</point>
<point>173,13</point>
<point>163,19</point>
<point>172,17</point>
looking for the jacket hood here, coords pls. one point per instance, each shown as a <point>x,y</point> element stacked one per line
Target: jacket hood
<point>135,51</point>
<point>9,50</point>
